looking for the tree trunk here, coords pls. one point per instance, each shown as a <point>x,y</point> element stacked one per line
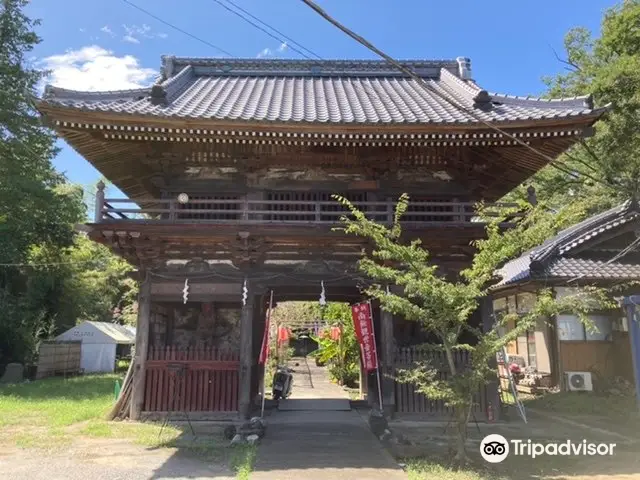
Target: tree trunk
<point>461,413</point>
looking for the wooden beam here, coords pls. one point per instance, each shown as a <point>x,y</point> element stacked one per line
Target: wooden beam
<point>141,348</point>
<point>492,388</point>
<point>387,343</point>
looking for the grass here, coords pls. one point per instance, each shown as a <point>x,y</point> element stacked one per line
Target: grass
<point>583,403</point>
<point>56,402</point>
<point>426,470</point>
<point>242,459</point>
<point>53,413</point>
<point>146,434</point>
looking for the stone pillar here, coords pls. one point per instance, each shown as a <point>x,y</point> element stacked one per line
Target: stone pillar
<point>246,356</point>
<point>493,386</point>
<point>387,343</point>
<point>141,348</point>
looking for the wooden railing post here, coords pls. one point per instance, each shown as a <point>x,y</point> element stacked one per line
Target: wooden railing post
<point>99,201</point>
<point>390,211</point>
<point>172,210</point>
<point>245,208</point>
<point>459,209</point>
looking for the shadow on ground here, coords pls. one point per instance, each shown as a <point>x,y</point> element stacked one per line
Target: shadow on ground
<point>298,444</point>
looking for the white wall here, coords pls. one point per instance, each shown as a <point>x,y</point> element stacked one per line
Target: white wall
<point>98,357</point>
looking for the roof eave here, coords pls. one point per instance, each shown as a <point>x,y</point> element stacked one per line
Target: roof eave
<point>49,108</point>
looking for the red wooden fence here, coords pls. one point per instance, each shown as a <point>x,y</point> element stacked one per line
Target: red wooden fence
<point>192,380</point>
<point>408,400</point>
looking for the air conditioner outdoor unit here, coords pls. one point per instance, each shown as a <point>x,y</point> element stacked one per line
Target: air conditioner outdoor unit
<point>579,381</point>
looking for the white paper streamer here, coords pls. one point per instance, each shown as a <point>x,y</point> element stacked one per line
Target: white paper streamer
<point>185,291</point>
<point>323,298</point>
<point>245,292</point>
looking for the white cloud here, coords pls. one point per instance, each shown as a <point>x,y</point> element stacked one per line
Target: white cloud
<point>130,39</point>
<point>133,33</point>
<point>269,52</point>
<point>107,30</point>
<point>93,68</point>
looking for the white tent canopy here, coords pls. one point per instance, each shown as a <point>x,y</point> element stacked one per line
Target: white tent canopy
<point>99,341</point>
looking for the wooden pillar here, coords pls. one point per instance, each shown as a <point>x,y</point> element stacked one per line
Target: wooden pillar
<point>141,348</point>
<point>99,202</point>
<point>387,343</point>
<point>246,356</point>
<point>492,388</point>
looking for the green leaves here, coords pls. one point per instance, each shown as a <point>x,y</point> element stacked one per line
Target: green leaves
<point>443,302</point>
<point>608,68</point>
<point>38,211</point>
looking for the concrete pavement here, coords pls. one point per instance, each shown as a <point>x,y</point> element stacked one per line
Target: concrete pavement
<point>315,442</point>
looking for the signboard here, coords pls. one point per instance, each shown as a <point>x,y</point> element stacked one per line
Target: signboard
<point>363,325</point>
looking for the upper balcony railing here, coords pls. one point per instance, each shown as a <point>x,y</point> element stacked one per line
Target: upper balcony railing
<point>242,211</point>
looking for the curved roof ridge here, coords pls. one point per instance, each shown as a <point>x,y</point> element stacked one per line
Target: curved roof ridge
<point>173,63</point>
<point>541,257</point>
<point>174,85</point>
<point>59,93</point>
<point>468,86</point>
<point>570,234</point>
<point>585,101</point>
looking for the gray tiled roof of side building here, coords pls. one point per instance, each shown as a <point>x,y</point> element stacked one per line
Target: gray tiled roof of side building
<point>558,266</point>
<point>337,92</point>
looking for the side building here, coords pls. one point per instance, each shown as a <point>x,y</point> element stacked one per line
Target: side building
<point>229,166</point>
<point>601,251</point>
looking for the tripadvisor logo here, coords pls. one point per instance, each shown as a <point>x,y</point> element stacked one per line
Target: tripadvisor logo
<point>495,448</point>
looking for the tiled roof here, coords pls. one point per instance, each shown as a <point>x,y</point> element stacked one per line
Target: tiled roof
<point>593,269</point>
<point>550,260</point>
<point>340,92</point>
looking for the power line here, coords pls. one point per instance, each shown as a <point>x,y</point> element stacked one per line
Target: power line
<point>616,257</point>
<point>426,86</point>
<point>289,39</point>
<point>52,264</point>
<point>259,27</point>
<point>177,28</point>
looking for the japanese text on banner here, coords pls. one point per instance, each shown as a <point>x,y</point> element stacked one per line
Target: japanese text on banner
<point>363,326</point>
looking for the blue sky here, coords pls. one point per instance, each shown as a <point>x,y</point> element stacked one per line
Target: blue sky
<point>93,45</point>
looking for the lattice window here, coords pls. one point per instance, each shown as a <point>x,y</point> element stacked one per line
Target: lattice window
<point>299,210</point>
<point>193,209</point>
<point>423,209</point>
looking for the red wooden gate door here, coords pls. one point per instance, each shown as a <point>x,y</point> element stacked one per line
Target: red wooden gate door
<point>191,380</point>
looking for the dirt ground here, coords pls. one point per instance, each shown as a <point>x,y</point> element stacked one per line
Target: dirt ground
<point>105,459</point>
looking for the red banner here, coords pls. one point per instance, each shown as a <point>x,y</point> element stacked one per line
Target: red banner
<point>264,351</point>
<point>363,325</point>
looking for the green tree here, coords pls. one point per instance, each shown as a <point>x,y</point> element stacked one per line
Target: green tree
<point>608,68</point>
<point>341,355</point>
<point>443,305</point>
<point>37,205</point>
<point>50,276</point>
